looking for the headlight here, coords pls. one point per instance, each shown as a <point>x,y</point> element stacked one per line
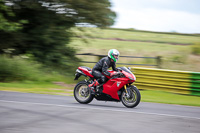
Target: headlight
<point>130,78</point>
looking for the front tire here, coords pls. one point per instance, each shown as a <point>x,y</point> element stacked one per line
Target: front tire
<point>133,100</point>
<point>82,93</point>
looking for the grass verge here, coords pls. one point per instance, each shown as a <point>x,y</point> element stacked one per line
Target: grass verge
<point>169,98</point>
<point>37,87</point>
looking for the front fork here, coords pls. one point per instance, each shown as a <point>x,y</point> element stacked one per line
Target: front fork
<point>128,92</point>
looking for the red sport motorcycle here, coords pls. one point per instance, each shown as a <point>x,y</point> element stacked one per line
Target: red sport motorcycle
<point>117,88</point>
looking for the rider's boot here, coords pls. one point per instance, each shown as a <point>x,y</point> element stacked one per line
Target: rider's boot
<point>99,87</point>
<point>93,87</point>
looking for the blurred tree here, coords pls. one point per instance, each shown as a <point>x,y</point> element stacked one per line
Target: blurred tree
<point>5,24</point>
<point>46,32</point>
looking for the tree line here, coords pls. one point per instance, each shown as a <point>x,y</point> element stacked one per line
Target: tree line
<point>41,29</point>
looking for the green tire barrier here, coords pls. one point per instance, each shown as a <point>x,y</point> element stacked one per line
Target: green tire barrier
<point>181,82</point>
<point>195,83</point>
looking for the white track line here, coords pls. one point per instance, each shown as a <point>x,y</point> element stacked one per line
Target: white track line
<point>92,108</point>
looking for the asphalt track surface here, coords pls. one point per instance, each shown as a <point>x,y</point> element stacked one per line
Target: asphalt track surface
<point>37,113</point>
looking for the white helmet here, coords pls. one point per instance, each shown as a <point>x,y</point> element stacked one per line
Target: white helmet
<point>113,54</point>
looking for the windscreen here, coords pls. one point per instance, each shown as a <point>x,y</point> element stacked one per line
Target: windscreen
<point>125,69</point>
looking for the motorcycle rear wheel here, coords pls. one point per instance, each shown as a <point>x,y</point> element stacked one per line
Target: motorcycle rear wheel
<point>134,100</point>
<point>82,93</point>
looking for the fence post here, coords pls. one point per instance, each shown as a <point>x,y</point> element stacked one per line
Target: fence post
<point>159,61</point>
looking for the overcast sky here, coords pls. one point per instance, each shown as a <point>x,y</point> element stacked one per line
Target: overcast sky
<point>158,15</point>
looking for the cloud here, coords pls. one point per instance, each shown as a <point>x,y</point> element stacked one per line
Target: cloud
<point>158,20</point>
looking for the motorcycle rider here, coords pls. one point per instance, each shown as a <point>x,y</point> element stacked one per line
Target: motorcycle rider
<point>103,65</point>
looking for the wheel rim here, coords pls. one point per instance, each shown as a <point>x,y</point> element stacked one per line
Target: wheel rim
<point>129,101</point>
<point>82,92</point>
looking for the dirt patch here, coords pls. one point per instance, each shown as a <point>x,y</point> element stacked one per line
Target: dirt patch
<point>64,84</point>
<point>64,94</point>
<point>66,90</point>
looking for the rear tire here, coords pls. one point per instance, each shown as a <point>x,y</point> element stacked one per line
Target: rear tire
<point>134,100</point>
<point>82,93</point>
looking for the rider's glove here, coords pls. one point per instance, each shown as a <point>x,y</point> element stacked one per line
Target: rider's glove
<point>118,70</point>
<point>114,73</point>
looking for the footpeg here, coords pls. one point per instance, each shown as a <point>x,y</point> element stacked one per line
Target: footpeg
<point>92,90</point>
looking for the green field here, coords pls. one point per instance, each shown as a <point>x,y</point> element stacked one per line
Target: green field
<point>139,35</point>
<point>177,57</point>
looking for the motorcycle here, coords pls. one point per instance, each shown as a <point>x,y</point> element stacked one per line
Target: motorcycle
<point>117,88</point>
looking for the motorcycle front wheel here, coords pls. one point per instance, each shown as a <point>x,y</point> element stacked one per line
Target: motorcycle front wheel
<point>132,100</point>
<point>82,93</point>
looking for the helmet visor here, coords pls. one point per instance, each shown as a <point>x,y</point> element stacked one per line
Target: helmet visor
<point>116,57</point>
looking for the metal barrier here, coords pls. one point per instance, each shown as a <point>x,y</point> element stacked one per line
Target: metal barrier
<point>182,82</point>
<point>158,60</point>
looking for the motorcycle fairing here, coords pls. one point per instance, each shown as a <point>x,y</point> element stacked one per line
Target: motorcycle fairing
<point>112,86</point>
